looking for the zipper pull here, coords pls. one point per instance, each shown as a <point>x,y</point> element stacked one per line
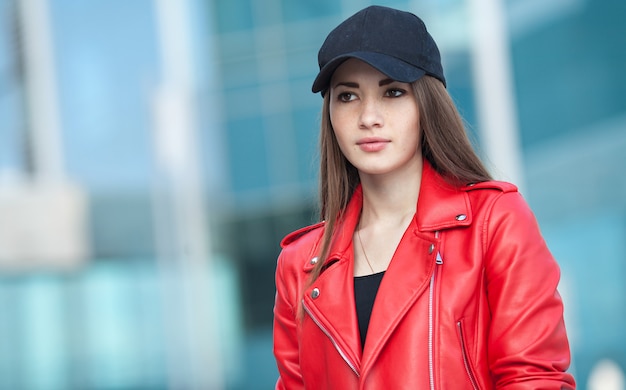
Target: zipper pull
<point>439,259</point>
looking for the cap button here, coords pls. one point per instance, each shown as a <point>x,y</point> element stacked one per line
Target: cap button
<point>431,248</point>
<point>315,293</point>
<point>314,261</point>
<point>461,217</point>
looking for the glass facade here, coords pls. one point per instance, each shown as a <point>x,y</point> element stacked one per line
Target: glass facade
<point>107,324</point>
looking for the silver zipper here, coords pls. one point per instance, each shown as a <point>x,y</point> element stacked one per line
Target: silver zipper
<point>431,292</point>
<point>465,360</point>
<point>332,340</point>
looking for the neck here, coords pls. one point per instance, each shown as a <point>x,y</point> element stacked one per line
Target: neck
<point>390,199</point>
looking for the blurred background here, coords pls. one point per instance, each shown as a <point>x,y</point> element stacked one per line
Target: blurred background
<point>154,152</point>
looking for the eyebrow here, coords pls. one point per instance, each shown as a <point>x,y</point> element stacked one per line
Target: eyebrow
<point>351,84</point>
<point>348,84</point>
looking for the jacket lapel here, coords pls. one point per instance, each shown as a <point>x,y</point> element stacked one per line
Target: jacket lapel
<point>330,303</point>
<point>406,279</point>
<point>332,306</point>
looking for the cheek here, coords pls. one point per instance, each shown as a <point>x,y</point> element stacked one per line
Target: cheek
<point>333,115</point>
<point>340,113</point>
<point>338,122</point>
<point>342,142</point>
<point>415,125</point>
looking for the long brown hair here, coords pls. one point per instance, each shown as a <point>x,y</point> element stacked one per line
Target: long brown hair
<point>444,143</point>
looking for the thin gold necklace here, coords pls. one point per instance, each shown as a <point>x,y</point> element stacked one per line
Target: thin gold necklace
<point>358,233</point>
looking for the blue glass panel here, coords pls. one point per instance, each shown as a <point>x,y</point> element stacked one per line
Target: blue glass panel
<point>107,62</point>
<point>233,15</point>
<point>309,9</point>
<point>306,126</point>
<point>247,153</point>
<point>570,73</point>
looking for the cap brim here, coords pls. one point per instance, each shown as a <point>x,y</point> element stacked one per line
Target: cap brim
<point>390,66</point>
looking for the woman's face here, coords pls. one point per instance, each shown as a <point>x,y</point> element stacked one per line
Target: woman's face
<point>375,119</point>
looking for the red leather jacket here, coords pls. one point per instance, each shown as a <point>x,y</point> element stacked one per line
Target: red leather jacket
<point>469,301</point>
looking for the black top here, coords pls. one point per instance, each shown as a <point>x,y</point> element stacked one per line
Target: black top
<point>365,289</point>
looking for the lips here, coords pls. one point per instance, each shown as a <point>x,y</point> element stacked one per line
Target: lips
<point>372,144</point>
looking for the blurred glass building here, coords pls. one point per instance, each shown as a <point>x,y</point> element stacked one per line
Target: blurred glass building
<point>154,153</point>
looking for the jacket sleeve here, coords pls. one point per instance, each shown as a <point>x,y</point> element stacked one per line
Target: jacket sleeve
<point>286,349</point>
<point>527,344</point>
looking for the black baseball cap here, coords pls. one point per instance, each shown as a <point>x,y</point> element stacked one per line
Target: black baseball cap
<point>393,41</point>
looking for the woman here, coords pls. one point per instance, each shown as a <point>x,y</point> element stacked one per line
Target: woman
<point>425,273</point>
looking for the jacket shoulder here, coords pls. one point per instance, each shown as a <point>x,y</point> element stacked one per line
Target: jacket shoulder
<point>501,186</point>
<point>300,233</point>
<point>484,195</point>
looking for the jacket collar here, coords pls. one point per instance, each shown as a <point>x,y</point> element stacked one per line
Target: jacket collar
<point>440,206</point>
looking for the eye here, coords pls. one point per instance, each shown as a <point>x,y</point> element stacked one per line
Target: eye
<point>395,92</point>
<point>346,96</point>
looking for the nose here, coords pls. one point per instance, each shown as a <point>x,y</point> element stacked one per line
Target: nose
<point>370,115</point>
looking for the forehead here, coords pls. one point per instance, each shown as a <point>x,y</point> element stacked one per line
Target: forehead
<point>353,68</point>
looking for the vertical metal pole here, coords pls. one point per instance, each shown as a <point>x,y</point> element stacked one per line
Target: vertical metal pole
<point>492,71</point>
<point>41,91</point>
<point>193,348</point>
